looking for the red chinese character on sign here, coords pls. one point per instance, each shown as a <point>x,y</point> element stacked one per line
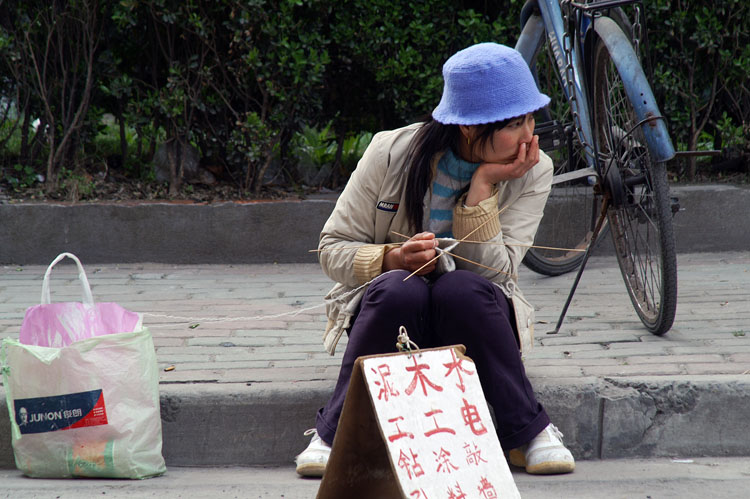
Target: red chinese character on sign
<point>456,364</point>
<point>386,389</point>
<point>473,456</point>
<point>487,489</point>
<point>444,463</point>
<point>437,428</point>
<point>421,377</point>
<point>400,434</point>
<point>472,419</point>
<point>457,493</point>
<point>419,494</point>
<point>410,464</point>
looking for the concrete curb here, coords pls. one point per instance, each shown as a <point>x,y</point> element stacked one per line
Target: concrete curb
<point>712,218</point>
<point>602,418</point>
<point>262,232</point>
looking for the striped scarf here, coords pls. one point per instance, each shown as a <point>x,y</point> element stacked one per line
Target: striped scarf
<point>453,175</point>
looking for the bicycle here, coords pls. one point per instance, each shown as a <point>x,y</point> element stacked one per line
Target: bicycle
<point>609,144</point>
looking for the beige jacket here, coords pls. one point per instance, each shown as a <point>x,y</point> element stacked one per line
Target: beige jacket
<point>372,205</point>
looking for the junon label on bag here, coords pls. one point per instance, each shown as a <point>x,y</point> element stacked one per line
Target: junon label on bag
<point>60,412</point>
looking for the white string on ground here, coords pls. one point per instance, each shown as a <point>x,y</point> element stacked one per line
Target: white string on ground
<point>193,320</point>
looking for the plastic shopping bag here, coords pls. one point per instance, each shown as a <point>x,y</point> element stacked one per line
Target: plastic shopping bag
<point>82,390</point>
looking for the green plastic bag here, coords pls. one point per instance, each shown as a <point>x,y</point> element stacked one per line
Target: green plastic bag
<point>87,406</point>
<point>90,409</point>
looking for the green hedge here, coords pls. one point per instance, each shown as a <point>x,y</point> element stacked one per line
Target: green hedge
<point>246,81</point>
<point>701,54</point>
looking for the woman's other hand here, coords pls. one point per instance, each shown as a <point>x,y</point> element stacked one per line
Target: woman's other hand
<point>413,254</point>
<point>489,174</point>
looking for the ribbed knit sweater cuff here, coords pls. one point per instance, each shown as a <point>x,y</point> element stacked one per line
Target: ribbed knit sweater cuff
<point>368,262</point>
<point>466,219</point>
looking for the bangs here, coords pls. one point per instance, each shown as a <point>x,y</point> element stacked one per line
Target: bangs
<point>487,131</point>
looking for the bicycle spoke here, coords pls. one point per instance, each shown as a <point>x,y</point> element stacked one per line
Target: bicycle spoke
<point>639,211</point>
<point>572,207</point>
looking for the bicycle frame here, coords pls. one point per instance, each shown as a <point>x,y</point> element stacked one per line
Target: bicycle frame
<point>569,52</point>
<point>570,36</point>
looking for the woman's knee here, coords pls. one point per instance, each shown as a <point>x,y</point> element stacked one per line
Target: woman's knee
<point>464,293</point>
<point>467,308</point>
<point>460,286</point>
<point>390,293</point>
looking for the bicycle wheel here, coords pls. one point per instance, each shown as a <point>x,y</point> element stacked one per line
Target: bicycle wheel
<point>573,207</point>
<point>639,215</point>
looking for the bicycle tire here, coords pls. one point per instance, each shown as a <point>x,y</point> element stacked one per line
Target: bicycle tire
<point>572,207</point>
<point>639,216</point>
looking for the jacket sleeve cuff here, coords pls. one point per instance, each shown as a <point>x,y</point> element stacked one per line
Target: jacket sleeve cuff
<point>368,262</point>
<point>485,215</point>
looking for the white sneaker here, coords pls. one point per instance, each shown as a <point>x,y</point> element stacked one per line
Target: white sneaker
<point>312,461</point>
<point>544,455</point>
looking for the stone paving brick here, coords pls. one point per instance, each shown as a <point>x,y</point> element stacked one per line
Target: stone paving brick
<point>563,350</point>
<point>293,349</point>
<point>308,362</point>
<point>727,368</point>
<point>266,324</point>
<point>567,361</point>
<point>233,341</point>
<point>539,353</point>
<point>313,340</point>
<point>676,359</point>
<point>625,352</point>
<point>719,349</point>
<point>268,375</point>
<point>262,332</point>
<point>204,350</point>
<point>743,358</point>
<point>190,376</point>
<point>184,358</point>
<point>634,370</point>
<point>732,340</point>
<point>168,342</point>
<point>245,364</point>
<point>600,337</point>
<point>165,332</point>
<point>554,371</point>
<point>590,337</point>
<point>240,357</point>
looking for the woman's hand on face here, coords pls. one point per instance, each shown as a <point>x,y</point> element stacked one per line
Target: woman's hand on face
<point>489,174</point>
<point>413,254</point>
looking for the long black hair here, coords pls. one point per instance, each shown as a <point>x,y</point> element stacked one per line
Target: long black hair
<point>432,138</point>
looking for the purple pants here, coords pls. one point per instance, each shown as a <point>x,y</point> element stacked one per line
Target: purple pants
<point>458,307</point>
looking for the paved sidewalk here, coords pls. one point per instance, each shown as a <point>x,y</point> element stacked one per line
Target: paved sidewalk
<point>247,378</point>
<point>662,478</point>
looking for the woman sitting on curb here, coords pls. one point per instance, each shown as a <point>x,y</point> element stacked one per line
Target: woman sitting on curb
<point>473,171</point>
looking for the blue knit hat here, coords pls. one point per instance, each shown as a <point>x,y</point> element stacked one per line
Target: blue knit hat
<point>486,83</point>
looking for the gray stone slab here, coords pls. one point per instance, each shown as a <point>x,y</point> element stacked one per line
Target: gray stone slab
<point>682,416</point>
<point>238,424</point>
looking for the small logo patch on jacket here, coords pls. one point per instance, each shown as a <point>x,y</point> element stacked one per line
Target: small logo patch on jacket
<point>387,206</point>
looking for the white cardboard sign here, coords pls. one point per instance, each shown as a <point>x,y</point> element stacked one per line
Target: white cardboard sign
<point>436,426</point>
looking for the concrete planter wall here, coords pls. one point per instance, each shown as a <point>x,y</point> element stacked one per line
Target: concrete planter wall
<point>713,218</point>
<point>163,232</point>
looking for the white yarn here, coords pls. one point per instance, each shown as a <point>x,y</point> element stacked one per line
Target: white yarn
<point>291,313</point>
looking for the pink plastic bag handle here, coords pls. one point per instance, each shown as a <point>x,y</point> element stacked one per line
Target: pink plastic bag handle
<point>88,298</point>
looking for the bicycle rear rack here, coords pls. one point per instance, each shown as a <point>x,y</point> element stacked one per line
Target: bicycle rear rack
<point>602,5</point>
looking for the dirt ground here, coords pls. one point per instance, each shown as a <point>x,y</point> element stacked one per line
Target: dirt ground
<point>92,189</point>
<point>86,187</point>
